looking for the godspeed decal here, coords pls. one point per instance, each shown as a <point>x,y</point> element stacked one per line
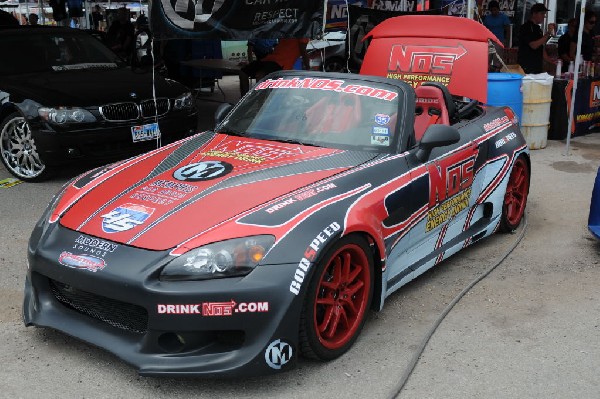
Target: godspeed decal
<point>201,171</point>
<point>87,262</point>
<point>310,254</point>
<point>278,353</point>
<point>214,308</point>
<point>510,136</point>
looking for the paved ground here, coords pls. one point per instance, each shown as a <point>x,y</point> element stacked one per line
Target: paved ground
<point>531,329</point>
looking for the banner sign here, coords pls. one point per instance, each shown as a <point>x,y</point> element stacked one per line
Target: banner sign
<point>337,13</point>
<point>506,7</point>
<point>399,5</point>
<point>236,19</point>
<point>587,106</point>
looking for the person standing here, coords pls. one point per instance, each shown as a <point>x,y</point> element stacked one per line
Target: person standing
<point>587,42</point>
<point>532,40</point>
<point>95,17</point>
<point>59,12</point>
<point>121,34</point>
<point>7,19</point>
<point>564,44</point>
<point>497,22</point>
<point>33,19</point>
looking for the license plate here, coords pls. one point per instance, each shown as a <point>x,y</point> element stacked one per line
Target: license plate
<point>149,131</point>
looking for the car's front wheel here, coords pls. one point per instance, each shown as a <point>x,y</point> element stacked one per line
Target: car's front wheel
<point>18,150</point>
<point>338,298</point>
<point>515,197</point>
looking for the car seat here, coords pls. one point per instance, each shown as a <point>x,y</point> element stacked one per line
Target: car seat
<point>430,108</point>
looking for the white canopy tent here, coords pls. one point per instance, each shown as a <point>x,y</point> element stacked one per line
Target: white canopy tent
<point>576,77</point>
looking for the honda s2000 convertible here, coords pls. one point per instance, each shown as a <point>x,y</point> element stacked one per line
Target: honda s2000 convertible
<point>234,251</point>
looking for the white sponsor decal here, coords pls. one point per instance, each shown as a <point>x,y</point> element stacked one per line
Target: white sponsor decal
<point>278,353</point>
<point>214,308</point>
<point>202,171</point>
<point>310,255</point>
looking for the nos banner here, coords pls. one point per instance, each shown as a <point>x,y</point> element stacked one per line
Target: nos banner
<point>236,19</point>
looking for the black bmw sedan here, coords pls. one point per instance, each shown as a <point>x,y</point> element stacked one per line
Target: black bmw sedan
<point>67,98</point>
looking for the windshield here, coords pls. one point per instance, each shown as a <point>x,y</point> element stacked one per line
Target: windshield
<point>335,113</point>
<point>46,50</point>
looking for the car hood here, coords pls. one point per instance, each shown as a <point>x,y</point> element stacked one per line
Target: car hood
<point>195,191</point>
<point>87,87</point>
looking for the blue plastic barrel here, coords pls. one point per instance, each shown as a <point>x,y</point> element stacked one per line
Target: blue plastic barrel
<point>505,89</point>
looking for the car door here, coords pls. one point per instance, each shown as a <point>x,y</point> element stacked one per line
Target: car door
<point>451,193</point>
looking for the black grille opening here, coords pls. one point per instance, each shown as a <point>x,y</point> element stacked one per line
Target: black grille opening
<point>120,112</point>
<point>149,110</point>
<point>122,315</point>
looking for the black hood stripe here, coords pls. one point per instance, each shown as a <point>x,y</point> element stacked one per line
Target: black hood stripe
<point>177,156</point>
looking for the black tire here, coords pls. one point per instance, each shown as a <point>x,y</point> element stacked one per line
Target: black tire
<point>515,197</point>
<point>338,299</point>
<point>18,150</point>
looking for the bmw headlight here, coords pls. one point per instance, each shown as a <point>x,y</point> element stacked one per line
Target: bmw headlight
<point>184,101</point>
<point>230,258</point>
<point>66,115</point>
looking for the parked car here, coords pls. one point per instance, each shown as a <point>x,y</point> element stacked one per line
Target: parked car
<point>234,251</point>
<point>594,215</point>
<point>67,98</point>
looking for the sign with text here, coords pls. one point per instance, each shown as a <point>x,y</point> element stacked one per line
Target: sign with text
<point>236,19</point>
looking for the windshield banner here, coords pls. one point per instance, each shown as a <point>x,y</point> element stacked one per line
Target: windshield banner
<point>236,19</point>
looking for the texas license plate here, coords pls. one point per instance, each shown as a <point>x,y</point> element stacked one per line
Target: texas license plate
<point>149,131</point>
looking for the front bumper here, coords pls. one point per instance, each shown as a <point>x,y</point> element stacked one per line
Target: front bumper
<point>106,141</point>
<point>223,327</point>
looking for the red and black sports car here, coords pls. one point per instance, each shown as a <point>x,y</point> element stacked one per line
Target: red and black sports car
<point>234,251</point>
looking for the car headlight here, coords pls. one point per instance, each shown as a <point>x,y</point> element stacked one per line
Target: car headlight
<point>66,115</point>
<point>184,101</point>
<point>236,257</point>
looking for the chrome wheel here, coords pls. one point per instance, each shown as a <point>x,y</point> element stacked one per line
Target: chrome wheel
<point>19,152</point>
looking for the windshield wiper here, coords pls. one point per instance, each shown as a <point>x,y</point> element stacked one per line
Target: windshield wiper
<point>231,132</point>
<point>292,141</point>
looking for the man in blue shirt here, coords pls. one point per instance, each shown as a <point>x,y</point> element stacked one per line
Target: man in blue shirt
<point>497,22</point>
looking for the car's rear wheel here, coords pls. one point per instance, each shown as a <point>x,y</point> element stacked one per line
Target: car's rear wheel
<point>18,150</point>
<point>338,298</point>
<point>515,197</point>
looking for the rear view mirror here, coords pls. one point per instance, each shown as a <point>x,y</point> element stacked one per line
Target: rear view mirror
<point>222,112</point>
<point>436,136</point>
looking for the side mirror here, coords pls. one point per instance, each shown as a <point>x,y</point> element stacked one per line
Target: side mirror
<point>436,136</point>
<point>222,112</point>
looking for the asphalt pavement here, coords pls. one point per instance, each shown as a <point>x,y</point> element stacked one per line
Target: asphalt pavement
<point>530,329</point>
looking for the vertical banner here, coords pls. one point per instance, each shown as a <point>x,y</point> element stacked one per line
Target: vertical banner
<point>337,13</point>
<point>236,19</point>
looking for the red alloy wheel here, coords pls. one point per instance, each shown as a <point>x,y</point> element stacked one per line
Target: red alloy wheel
<point>515,198</point>
<point>342,297</point>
